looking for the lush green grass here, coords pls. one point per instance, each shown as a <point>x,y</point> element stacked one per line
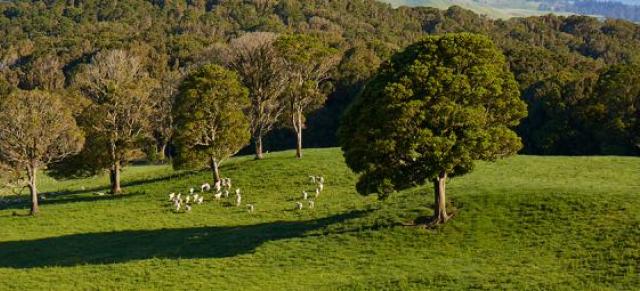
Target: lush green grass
<point>523,223</point>
<point>498,9</point>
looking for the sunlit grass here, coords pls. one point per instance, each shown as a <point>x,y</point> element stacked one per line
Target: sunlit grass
<point>523,223</point>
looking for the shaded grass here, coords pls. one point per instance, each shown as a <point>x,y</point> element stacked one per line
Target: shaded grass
<point>524,223</point>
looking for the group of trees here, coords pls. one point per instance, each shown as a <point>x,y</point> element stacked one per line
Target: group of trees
<point>207,117</point>
<point>291,56</point>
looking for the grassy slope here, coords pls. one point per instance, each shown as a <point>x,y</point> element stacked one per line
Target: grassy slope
<point>524,222</point>
<point>501,9</point>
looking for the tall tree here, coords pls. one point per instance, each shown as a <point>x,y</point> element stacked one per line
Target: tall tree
<point>307,63</point>
<point>164,96</point>
<point>210,120</point>
<point>262,71</point>
<point>36,128</point>
<point>119,90</point>
<point>429,113</point>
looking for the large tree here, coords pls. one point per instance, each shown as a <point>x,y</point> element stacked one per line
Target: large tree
<point>307,63</point>
<point>36,129</point>
<point>262,71</point>
<point>119,90</point>
<point>429,113</point>
<point>210,120</point>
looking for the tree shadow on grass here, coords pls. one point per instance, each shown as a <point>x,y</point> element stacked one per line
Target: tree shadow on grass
<point>186,243</point>
<point>69,199</point>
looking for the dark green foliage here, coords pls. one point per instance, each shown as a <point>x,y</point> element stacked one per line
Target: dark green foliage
<point>438,106</point>
<point>210,123</point>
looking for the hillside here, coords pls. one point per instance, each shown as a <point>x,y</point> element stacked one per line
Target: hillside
<point>523,223</point>
<point>497,9</point>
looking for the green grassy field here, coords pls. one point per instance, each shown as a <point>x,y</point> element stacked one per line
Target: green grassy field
<point>497,9</point>
<point>568,223</point>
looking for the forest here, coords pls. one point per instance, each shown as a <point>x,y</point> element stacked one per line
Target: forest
<point>576,74</point>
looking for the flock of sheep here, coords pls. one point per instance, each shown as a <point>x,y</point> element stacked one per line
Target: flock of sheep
<point>222,188</point>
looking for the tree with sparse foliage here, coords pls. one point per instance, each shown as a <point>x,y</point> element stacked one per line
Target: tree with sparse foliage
<point>36,129</point>
<point>119,90</point>
<point>308,62</point>
<point>429,113</point>
<point>210,120</point>
<point>262,71</point>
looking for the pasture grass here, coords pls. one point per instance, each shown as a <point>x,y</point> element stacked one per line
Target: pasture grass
<point>523,223</point>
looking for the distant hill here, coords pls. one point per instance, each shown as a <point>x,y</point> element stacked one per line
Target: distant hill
<point>622,9</point>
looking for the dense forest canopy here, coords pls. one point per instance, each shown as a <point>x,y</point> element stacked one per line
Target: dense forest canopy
<point>563,65</point>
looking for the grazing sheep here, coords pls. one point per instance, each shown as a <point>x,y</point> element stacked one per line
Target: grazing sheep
<point>238,200</point>
<point>298,205</point>
<point>305,195</point>
<point>200,200</point>
<point>317,192</point>
<point>321,180</point>
<point>226,193</point>
<point>191,191</point>
<point>171,196</point>
<point>312,204</point>
<point>100,193</point>
<point>188,199</point>
<point>321,187</point>
<point>250,207</point>
<point>238,191</point>
<point>218,195</point>
<point>187,208</point>
<point>205,187</point>
<point>179,197</point>
<point>177,205</point>
<point>195,197</point>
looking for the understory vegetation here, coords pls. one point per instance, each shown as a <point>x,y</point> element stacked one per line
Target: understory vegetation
<point>525,222</point>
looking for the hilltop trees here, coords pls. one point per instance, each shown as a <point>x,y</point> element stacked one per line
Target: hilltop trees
<point>210,123</point>
<point>255,59</point>
<point>36,129</point>
<point>119,111</point>
<point>433,110</point>
<point>307,62</point>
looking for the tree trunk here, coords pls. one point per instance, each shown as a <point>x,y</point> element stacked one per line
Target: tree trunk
<point>35,208</point>
<point>440,209</point>
<point>258,141</point>
<point>162,154</point>
<point>298,128</point>
<point>215,169</point>
<point>114,174</point>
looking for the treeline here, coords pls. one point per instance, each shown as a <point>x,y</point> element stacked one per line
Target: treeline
<point>575,73</point>
<point>609,9</point>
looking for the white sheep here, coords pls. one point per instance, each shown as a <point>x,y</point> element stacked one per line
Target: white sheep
<point>187,208</point>
<point>226,193</point>
<point>317,192</point>
<point>238,191</point>
<point>191,191</point>
<point>305,195</point>
<point>188,200</point>
<point>218,195</point>
<point>321,187</point>
<point>177,204</point>
<point>312,204</point>
<point>238,199</point>
<point>205,187</point>
<point>171,196</point>
<point>250,207</point>
<point>200,200</point>
<point>298,205</point>
<point>179,197</point>
<point>321,180</point>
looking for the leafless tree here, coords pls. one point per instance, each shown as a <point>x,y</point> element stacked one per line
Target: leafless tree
<point>119,90</point>
<point>261,69</point>
<point>36,129</point>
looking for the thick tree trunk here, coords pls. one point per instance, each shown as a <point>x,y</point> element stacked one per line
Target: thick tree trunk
<point>440,209</point>
<point>297,119</point>
<point>114,174</point>
<point>258,141</point>
<point>35,208</point>
<point>215,168</point>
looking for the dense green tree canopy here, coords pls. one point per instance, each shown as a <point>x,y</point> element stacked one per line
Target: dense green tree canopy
<point>210,120</point>
<point>432,111</point>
